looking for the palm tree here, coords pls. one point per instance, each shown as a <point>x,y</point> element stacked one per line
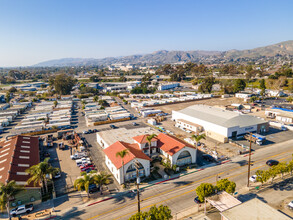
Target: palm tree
<point>122,154</point>
<point>83,182</point>
<point>102,179</point>
<point>96,98</point>
<point>149,139</point>
<point>39,172</point>
<point>197,138</point>
<point>8,191</point>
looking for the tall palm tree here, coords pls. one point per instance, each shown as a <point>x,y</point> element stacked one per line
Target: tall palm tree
<point>197,138</point>
<point>83,183</point>
<point>39,172</point>
<point>102,179</point>
<point>122,154</point>
<point>7,191</point>
<point>149,139</point>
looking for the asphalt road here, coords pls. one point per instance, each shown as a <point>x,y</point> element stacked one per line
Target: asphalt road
<point>178,194</point>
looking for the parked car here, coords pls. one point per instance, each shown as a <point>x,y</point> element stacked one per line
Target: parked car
<point>88,169</point>
<point>85,166</point>
<point>85,132</point>
<point>22,209</point>
<point>95,130</point>
<point>134,124</point>
<point>93,188</point>
<point>252,178</point>
<point>196,200</point>
<point>208,157</point>
<point>46,154</point>
<point>272,163</point>
<point>112,126</point>
<point>90,131</point>
<point>57,175</point>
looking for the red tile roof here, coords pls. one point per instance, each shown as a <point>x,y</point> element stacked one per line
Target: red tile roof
<point>171,144</point>
<point>134,152</point>
<point>142,139</point>
<point>16,155</point>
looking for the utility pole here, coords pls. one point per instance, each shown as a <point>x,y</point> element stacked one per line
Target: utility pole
<point>136,164</point>
<point>249,159</point>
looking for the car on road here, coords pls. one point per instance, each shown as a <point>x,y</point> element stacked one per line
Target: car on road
<point>252,178</point>
<point>134,124</point>
<point>95,130</point>
<point>272,163</point>
<point>90,131</point>
<point>85,132</point>
<point>22,209</point>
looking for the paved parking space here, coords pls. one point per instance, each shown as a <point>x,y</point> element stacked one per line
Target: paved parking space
<point>98,158</point>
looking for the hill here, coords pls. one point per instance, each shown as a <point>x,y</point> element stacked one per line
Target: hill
<point>164,56</point>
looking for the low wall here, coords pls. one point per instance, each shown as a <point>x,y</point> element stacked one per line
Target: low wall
<point>171,103</point>
<point>110,121</point>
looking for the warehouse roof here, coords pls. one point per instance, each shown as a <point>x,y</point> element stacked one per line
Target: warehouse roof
<point>221,117</point>
<point>253,209</point>
<point>18,154</point>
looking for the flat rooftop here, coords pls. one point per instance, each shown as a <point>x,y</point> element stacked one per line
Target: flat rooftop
<point>221,117</point>
<point>253,209</point>
<point>123,134</point>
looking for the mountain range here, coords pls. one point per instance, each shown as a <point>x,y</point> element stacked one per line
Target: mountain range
<point>162,57</point>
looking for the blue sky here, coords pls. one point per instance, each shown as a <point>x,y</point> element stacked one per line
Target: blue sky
<point>32,31</point>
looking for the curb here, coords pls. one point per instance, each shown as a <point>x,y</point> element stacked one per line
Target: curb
<point>103,200</point>
<point>163,181</point>
<point>246,155</point>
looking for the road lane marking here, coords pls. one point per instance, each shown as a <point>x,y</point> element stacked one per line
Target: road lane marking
<point>165,192</point>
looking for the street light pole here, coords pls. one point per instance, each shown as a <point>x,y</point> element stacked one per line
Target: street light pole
<point>249,159</point>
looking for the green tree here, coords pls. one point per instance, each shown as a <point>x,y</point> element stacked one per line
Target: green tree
<point>83,182</point>
<point>12,89</point>
<point>96,98</point>
<point>227,185</point>
<point>263,87</point>
<point>282,168</point>
<point>7,96</point>
<point>39,171</point>
<point>207,85</point>
<point>273,172</point>
<point>102,179</point>
<point>122,154</point>
<point>149,139</point>
<point>8,191</point>
<point>55,103</point>
<point>155,213</point>
<point>290,167</point>
<point>204,190</point>
<point>94,78</point>
<point>262,176</point>
<point>63,84</point>
<point>197,138</point>
<point>239,85</point>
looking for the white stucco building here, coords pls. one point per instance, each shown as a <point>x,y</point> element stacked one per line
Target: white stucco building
<point>220,124</point>
<point>177,151</point>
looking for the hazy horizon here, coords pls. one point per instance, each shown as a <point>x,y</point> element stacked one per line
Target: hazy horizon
<point>41,31</point>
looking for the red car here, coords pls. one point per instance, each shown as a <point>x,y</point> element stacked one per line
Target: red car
<point>83,168</point>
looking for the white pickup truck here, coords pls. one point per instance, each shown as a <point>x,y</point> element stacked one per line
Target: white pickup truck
<point>22,209</point>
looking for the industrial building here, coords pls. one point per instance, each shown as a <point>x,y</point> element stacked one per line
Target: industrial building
<point>167,86</point>
<point>280,114</point>
<point>217,123</point>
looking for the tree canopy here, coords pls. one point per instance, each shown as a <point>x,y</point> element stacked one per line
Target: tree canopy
<point>204,190</point>
<point>226,185</point>
<point>62,83</point>
<point>155,213</point>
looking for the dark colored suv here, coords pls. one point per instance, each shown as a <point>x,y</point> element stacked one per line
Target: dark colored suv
<point>93,188</point>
